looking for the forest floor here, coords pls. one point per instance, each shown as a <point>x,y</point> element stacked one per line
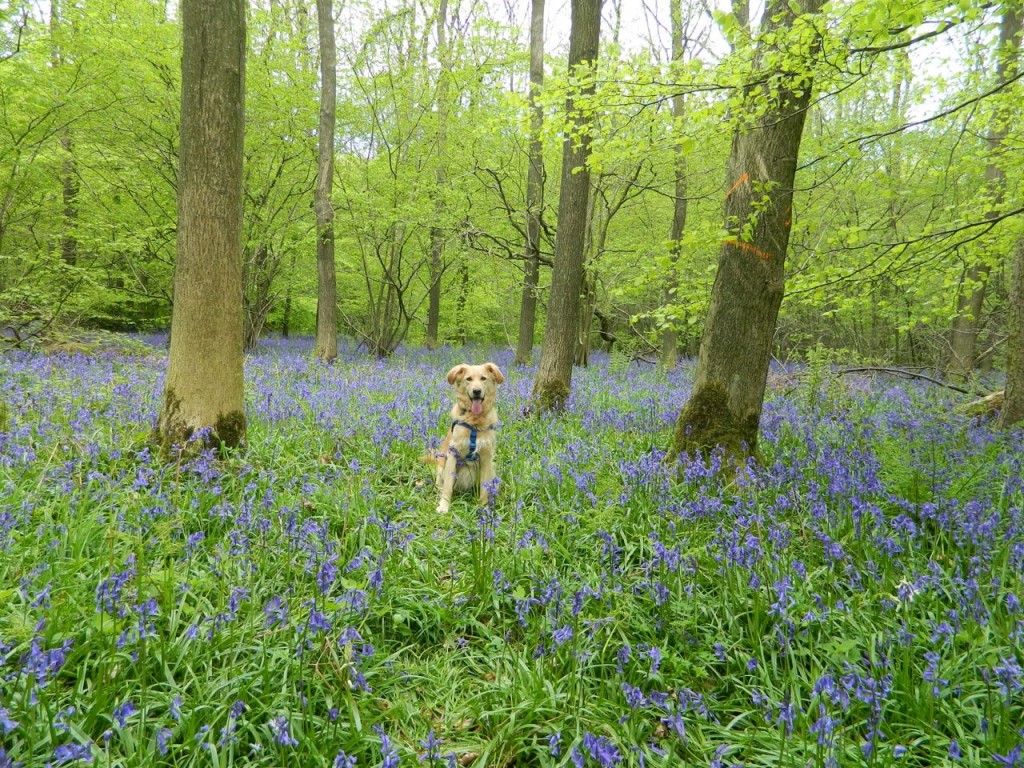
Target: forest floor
<point>855,600</point>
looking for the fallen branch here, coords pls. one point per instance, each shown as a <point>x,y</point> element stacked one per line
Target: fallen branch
<point>908,374</point>
<point>983,405</point>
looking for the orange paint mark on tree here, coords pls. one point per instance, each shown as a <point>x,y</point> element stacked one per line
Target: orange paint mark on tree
<point>762,255</point>
<point>789,216</point>
<point>739,181</point>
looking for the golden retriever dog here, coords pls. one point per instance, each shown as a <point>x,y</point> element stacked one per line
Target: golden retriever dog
<point>465,460</point>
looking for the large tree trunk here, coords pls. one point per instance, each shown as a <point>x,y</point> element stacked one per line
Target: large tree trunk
<point>327,287</point>
<point>669,337</point>
<point>551,387</point>
<point>437,235</point>
<point>534,190</point>
<point>970,298</point>
<point>725,406</point>
<point>204,386</point>
<point>1013,404</point>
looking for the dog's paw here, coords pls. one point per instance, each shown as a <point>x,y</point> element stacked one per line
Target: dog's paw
<point>442,507</point>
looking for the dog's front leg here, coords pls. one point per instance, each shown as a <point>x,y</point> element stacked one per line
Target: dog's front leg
<point>446,478</point>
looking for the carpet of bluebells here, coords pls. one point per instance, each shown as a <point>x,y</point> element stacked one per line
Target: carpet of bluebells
<point>854,600</point>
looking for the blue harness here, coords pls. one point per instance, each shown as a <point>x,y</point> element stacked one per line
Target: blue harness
<point>472,455</point>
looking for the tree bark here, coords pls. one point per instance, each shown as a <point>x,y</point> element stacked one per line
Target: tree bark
<point>554,374</point>
<point>326,347</point>
<point>970,298</point>
<point>204,385</point>
<point>437,231</point>
<point>724,408</point>
<point>68,167</point>
<point>1013,403</point>
<point>534,190</point>
<point>669,337</point>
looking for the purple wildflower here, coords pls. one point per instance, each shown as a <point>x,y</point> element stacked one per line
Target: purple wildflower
<point>123,711</point>
<point>280,729</point>
<point>555,744</point>
<point>601,750</point>
<point>276,611</point>
<point>388,753</point>
<point>69,753</point>
<point>430,746</point>
<point>7,724</point>
<point>163,736</point>
<point>1012,759</point>
<point>562,635</point>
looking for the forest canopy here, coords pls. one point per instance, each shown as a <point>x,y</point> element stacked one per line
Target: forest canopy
<point>895,224</point>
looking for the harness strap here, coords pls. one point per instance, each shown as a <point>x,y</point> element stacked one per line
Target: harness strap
<point>472,455</point>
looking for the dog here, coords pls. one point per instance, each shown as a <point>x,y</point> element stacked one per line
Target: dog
<point>465,460</point>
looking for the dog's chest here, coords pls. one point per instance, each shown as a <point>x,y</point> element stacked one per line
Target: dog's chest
<point>465,444</point>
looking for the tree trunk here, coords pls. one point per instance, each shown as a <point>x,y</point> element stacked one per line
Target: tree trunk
<point>204,385</point>
<point>732,368</point>
<point>669,337</point>
<point>588,299</point>
<point>970,298</point>
<point>68,168</point>
<point>534,190</point>
<point>1013,404</point>
<point>441,179</point>
<point>462,302</point>
<point>551,387</point>
<point>327,287</point>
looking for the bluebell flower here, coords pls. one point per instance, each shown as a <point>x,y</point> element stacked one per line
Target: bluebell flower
<point>1009,677</point>
<point>675,721</point>
<point>7,723</point>
<point>163,737</point>
<point>1012,759</point>
<point>123,711</point>
<point>601,750</point>
<point>388,753</point>
<point>654,654</point>
<point>431,746</point>
<point>562,635</point>
<point>70,753</point>
<point>555,744</point>
<point>718,760</point>
<point>634,696</point>
<point>282,735</point>
<point>275,611</point>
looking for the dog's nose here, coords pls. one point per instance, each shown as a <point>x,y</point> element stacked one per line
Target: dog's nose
<point>477,391</point>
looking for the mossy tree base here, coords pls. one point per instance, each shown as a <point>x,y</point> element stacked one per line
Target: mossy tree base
<point>707,423</point>
<point>175,434</point>
<point>550,396</point>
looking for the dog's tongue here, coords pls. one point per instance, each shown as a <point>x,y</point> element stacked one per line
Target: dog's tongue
<point>476,407</point>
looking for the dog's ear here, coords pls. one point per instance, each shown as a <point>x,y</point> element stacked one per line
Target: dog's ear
<point>457,373</point>
<point>499,377</point>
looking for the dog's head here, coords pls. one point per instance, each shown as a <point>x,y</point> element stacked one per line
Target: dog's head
<point>475,386</point>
